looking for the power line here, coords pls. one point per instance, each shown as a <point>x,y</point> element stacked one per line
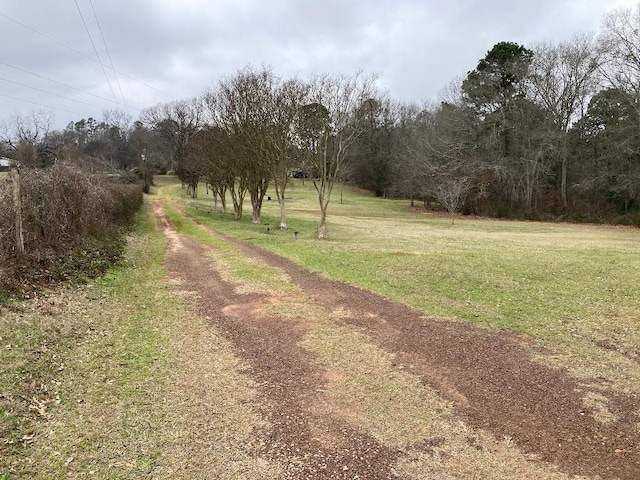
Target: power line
<point>51,39</point>
<point>50,93</point>
<point>40,104</point>
<point>82,54</point>
<point>104,42</point>
<point>63,84</point>
<point>96,51</point>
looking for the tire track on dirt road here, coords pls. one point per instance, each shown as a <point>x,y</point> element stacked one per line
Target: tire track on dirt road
<point>304,438</point>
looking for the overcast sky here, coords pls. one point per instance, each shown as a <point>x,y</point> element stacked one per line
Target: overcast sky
<point>165,50</point>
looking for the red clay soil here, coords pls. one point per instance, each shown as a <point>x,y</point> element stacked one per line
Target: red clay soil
<point>488,375</point>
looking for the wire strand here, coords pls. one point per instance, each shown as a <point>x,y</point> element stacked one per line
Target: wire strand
<point>104,42</point>
<point>63,84</point>
<point>82,54</point>
<point>40,104</point>
<point>49,93</point>
<point>95,50</point>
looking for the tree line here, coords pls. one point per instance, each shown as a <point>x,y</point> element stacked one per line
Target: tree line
<point>545,131</point>
<point>542,132</point>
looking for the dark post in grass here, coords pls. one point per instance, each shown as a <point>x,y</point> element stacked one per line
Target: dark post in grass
<point>145,171</point>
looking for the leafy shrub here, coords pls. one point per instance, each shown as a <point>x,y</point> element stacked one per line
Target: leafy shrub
<point>503,211</point>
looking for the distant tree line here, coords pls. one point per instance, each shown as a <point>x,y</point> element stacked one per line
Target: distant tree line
<point>546,131</point>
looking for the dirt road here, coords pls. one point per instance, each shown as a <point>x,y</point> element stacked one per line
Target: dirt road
<point>490,379</point>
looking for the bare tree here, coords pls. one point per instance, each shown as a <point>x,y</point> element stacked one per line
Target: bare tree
<point>242,106</point>
<point>288,97</point>
<point>176,122</point>
<point>327,127</point>
<point>451,194</point>
<point>413,158</point>
<point>210,149</point>
<point>620,41</point>
<point>563,78</point>
<point>117,118</point>
<point>252,114</point>
<point>28,138</point>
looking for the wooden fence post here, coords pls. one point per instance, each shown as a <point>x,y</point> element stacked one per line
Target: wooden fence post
<point>17,205</point>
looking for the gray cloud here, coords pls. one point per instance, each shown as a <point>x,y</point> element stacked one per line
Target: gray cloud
<point>180,46</point>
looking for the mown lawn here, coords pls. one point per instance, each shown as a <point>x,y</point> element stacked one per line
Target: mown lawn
<point>364,385</point>
<point>572,288</point>
<point>103,380</point>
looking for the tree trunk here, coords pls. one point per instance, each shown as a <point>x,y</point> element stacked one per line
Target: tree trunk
<point>222,195</point>
<point>283,217</point>
<point>237,199</point>
<point>256,206</point>
<point>322,226</point>
<point>257,191</point>
<point>237,211</point>
<point>280,185</point>
<point>17,203</point>
<point>563,181</point>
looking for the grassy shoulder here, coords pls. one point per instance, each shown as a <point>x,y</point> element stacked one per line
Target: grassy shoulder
<point>73,358</point>
<point>93,380</point>
<point>572,288</point>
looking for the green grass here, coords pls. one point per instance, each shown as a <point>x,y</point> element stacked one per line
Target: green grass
<point>365,387</point>
<point>82,357</point>
<point>573,288</point>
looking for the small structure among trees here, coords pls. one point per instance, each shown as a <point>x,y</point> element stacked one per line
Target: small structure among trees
<point>5,164</point>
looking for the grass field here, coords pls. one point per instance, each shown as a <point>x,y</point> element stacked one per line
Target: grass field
<point>104,380</point>
<point>572,288</point>
<point>365,387</point>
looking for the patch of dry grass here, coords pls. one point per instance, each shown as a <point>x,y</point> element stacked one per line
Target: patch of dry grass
<point>107,378</point>
<point>36,342</point>
<point>212,426</point>
<point>599,406</point>
<point>366,388</point>
<point>370,391</point>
